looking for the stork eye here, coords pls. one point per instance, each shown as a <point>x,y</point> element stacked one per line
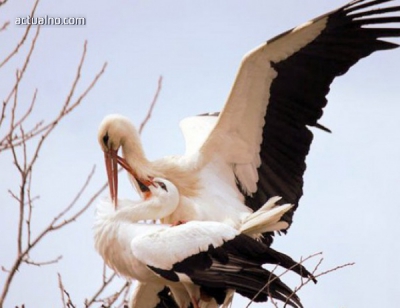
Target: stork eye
<point>163,186</point>
<point>105,139</point>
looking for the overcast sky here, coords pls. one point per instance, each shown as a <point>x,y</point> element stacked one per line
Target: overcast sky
<point>350,209</point>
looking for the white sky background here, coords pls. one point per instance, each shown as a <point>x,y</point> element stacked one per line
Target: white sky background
<point>350,209</point>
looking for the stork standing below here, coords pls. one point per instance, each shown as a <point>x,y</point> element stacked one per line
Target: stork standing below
<point>197,260</point>
<point>256,147</point>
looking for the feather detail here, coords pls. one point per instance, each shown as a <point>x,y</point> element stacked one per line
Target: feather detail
<point>266,219</point>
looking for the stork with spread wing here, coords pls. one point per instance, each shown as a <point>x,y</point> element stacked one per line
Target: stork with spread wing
<point>256,147</point>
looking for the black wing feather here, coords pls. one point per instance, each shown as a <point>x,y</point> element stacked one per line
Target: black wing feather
<point>298,95</point>
<point>237,264</point>
<point>166,299</point>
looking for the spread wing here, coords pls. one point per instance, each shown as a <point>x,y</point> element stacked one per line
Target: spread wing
<point>280,90</point>
<point>235,264</point>
<point>196,130</point>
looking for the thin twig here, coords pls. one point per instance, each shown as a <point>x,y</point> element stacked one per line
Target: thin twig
<point>2,2</point>
<point>94,298</point>
<point>278,276</point>
<point>82,210</point>
<point>306,281</point>
<point>303,281</point>
<point>153,103</point>
<point>28,111</point>
<point>26,63</point>
<point>74,201</point>
<point>125,296</point>
<point>22,41</point>
<point>113,298</point>
<point>4,26</point>
<point>68,303</point>
<point>24,172</point>
<point>21,257</point>
<point>104,272</point>
<point>13,196</point>
<point>42,263</point>
<point>8,138</point>
<point>3,113</point>
<point>30,206</point>
<point>67,107</point>
<point>4,269</point>
<point>61,286</point>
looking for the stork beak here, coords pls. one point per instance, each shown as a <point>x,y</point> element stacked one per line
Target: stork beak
<point>111,160</point>
<point>142,183</point>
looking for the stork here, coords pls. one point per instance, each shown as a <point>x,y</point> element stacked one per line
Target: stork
<point>256,147</point>
<point>197,260</point>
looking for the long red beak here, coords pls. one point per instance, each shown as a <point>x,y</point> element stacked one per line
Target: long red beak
<point>112,174</point>
<point>112,160</point>
<point>128,168</point>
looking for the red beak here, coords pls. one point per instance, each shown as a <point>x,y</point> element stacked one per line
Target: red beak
<point>112,160</point>
<point>122,161</point>
<point>112,174</point>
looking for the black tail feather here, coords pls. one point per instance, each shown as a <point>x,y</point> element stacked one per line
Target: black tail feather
<point>259,284</point>
<point>257,253</point>
<point>287,262</point>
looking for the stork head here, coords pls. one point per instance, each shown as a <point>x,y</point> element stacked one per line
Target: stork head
<point>165,192</point>
<point>114,131</point>
<point>117,132</point>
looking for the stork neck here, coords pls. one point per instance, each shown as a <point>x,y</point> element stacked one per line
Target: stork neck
<point>152,209</point>
<point>134,155</point>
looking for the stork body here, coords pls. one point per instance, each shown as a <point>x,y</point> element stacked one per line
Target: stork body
<point>114,231</point>
<point>187,257</point>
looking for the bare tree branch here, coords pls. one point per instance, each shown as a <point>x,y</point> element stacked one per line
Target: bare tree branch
<point>23,253</point>
<point>22,41</point>
<point>304,281</point>
<point>4,269</point>
<point>95,297</point>
<point>153,103</point>
<point>117,295</point>
<point>61,286</point>
<point>66,303</point>
<point>42,263</point>
<point>5,142</point>
<point>67,107</point>
<point>4,26</point>
<point>2,2</point>
<point>26,63</point>
<point>25,165</point>
<point>30,207</point>
<point>19,140</point>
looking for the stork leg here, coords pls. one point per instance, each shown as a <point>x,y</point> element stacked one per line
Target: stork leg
<point>195,302</point>
<point>179,222</point>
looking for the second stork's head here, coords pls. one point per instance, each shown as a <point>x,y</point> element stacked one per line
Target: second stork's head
<point>117,132</point>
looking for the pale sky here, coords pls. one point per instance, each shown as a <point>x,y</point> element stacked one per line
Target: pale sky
<point>350,209</point>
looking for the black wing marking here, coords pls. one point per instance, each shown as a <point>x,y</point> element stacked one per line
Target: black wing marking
<point>298,95</point>
<point>167,300</point>
<point>237,264</point>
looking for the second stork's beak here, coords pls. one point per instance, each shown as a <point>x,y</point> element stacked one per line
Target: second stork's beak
<point>143,184</point>
<point>111,160</point>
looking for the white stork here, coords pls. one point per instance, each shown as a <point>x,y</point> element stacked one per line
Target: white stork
<point>256,148</point>
<point>199,260</point>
